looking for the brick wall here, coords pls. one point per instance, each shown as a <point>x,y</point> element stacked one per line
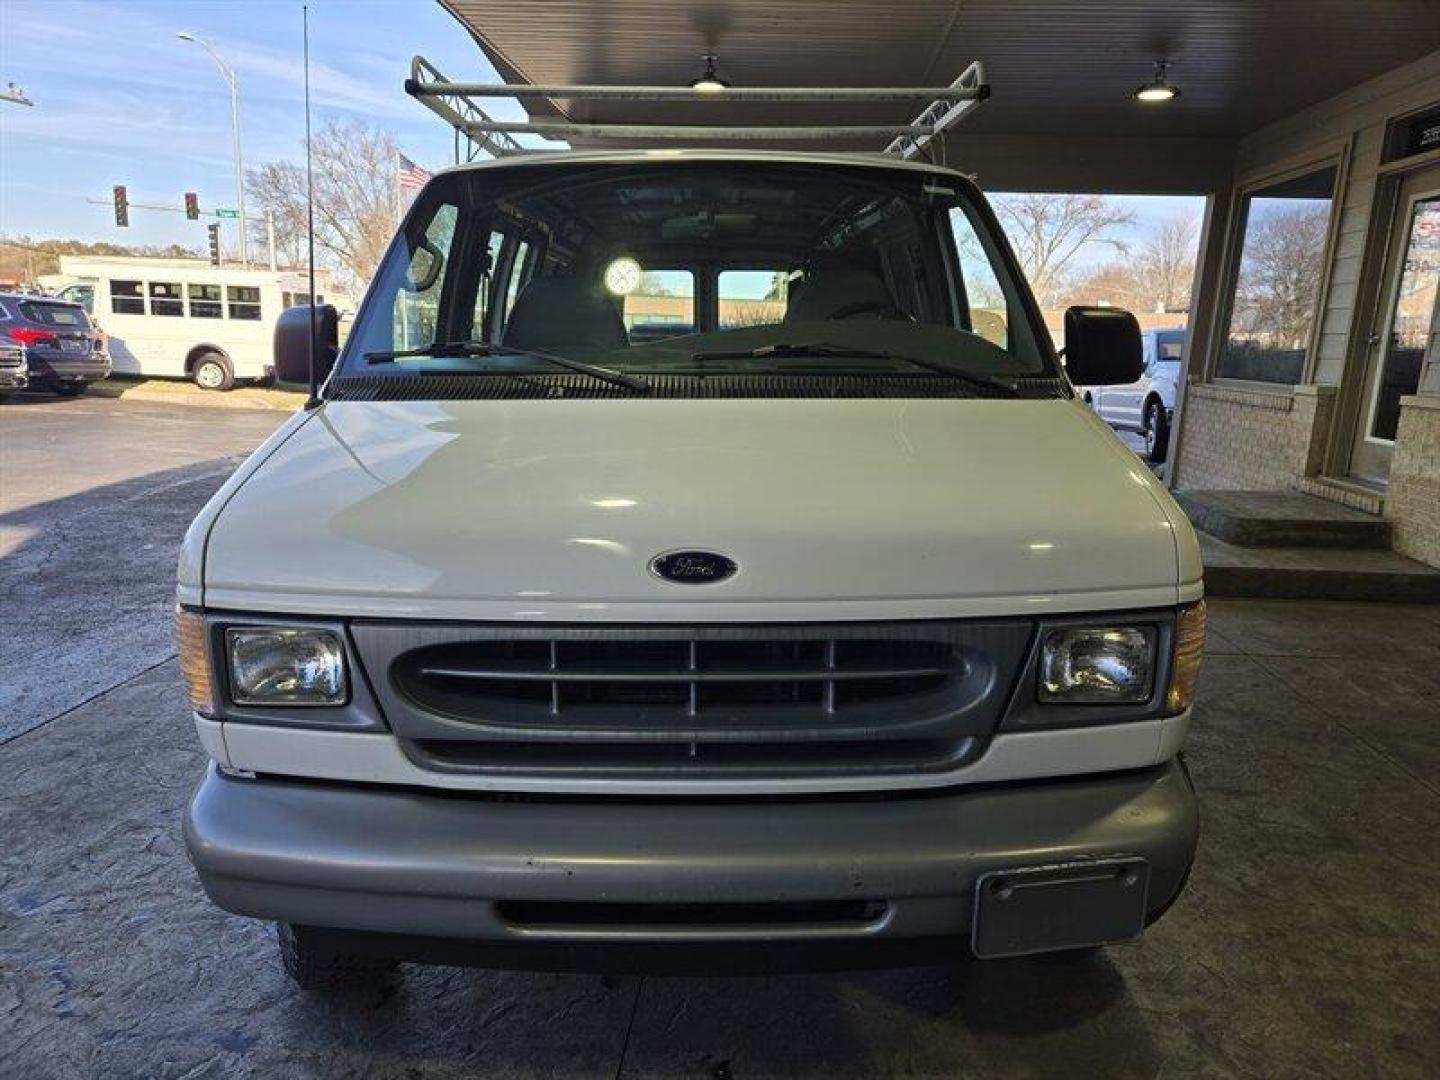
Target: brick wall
<point>1413,502</point>
<point>1248,440</point>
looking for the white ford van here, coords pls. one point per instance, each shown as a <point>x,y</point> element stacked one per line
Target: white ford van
<point>817,617</point>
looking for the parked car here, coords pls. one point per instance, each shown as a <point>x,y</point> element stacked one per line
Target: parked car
<point>14,369</point>
<point>845,632</point>
<point>64,350</point>
<point>1146,405</point>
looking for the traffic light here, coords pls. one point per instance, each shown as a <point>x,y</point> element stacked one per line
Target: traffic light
<point>192,206</point>
<point>214,230</point>
<point>122,206</point>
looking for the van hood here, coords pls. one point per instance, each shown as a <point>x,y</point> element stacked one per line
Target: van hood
<point>832,509</point>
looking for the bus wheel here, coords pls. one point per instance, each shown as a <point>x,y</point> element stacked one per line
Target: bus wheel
<point>212,372</point>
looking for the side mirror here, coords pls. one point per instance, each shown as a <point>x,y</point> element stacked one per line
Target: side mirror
<point>1102,346</point>
<point>292,343</point>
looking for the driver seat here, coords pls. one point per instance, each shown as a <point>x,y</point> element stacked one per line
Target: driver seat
<point>557,312</point>
<point>826,293</point>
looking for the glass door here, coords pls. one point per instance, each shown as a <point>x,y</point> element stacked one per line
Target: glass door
<point>1405,328</point>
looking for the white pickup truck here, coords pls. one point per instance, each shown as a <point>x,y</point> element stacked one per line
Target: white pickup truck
<point>841,629</point>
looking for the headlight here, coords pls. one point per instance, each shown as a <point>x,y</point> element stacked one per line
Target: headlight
<point>1098,665</point>
<point>285,665</point>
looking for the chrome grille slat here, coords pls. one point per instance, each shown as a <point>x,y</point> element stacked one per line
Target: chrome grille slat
<point>688,674</point>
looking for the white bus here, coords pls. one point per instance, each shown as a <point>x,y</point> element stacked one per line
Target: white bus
<point>183,318</point>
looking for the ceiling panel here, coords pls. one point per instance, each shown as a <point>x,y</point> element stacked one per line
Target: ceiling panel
<point>1056,66</point>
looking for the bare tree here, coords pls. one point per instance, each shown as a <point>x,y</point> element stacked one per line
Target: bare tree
<point>1156,279</point>
<point>355,198</point>
<point>273,187</point>
<point>1115,284</point>
<point>1164,267</point>
<point>1048,231</point>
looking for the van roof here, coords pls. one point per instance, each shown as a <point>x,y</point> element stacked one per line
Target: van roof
<point>629,157</point>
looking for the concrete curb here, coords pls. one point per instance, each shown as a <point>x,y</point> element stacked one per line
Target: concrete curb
<point>179,393</point>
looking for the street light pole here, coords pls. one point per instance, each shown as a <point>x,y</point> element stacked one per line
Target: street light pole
<point>229,73</point>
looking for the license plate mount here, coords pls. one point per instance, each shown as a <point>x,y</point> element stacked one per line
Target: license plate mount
<point>1074,905</point>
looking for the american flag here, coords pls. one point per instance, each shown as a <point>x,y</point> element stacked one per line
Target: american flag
<point>409,176</point>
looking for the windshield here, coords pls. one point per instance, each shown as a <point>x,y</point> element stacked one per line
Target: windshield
<point>700,269</point>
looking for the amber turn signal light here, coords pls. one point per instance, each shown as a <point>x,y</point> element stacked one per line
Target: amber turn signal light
<point>1185,663</point>
<point>192,636</point>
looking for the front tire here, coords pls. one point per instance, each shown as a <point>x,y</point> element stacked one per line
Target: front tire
<point>213,372</point>
<point>315,963</point>
<point>1156,431</point>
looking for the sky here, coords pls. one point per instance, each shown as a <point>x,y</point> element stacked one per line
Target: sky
<point>119,99</point>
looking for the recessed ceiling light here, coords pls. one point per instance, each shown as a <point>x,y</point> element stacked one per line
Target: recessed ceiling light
<point>709,82</point>
<point>1158,89</point>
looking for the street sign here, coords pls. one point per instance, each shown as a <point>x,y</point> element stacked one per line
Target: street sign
<point>221,212</point>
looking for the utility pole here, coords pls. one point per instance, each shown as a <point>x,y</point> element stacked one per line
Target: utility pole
<point>229,74</point>
<point>270,237</point>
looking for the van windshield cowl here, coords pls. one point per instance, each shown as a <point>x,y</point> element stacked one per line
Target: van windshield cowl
<point>631,275</point>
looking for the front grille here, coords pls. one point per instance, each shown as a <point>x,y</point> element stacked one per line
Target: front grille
<point>694,701</point>
<point>673,683</point>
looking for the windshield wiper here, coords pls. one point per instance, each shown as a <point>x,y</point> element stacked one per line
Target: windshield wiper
<point>443,349</point>
<point>785,350</point>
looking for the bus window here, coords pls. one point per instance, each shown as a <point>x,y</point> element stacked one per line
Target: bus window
<point>244,301</point>
<point>751,297</point>
<point>521,270</point>
<point>165,299</point>
<point>663,306</point>
<point>483,289</point>
<point>127,298</point>
<point>985,308</point>
<point>204,301</point>
<point>84,295</point>
<point>416,309</point>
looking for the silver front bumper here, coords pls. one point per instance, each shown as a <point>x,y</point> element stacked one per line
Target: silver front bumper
<point>462,866</point>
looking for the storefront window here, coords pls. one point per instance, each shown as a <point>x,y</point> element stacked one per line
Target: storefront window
<point>1277,290</point>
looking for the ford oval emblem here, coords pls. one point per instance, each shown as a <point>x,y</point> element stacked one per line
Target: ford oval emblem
<point>693,567</point>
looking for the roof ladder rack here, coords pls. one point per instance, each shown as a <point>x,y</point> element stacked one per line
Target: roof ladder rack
<point>457,110</point>
<point>454,103</point>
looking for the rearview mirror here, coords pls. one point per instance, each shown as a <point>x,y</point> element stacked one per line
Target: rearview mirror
<point>1102,346</point>
<point>292,343</point>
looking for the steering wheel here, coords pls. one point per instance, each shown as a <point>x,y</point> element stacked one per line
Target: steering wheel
<point>881,309</point>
